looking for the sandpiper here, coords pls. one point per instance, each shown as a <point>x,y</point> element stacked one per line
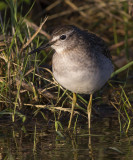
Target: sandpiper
<point>81,62</point>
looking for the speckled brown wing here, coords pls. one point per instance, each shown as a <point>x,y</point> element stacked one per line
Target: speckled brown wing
<point>99,44</point>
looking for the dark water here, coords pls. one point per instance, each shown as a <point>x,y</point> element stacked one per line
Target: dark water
<point>35,141</point>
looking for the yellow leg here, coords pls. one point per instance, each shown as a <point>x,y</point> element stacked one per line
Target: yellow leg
<point>73,105</point>
<point>89,112</point>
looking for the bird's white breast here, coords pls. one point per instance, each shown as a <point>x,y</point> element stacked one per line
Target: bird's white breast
<point>87,80</point>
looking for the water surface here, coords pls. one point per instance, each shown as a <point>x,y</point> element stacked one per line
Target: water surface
<point>38,141</point>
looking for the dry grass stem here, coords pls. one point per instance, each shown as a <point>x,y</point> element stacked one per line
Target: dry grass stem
<point>114,46</point>
<point>35,27</point>
<point>74,7</point>
<point>57,15</point>
<point>34,35</point>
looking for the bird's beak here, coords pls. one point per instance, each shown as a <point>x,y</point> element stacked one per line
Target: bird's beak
<point>41,47</point>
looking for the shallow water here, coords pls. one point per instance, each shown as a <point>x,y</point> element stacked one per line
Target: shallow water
<point>36,141</point>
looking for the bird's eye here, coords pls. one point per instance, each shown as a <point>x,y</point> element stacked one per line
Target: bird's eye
<point>63,37</point>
